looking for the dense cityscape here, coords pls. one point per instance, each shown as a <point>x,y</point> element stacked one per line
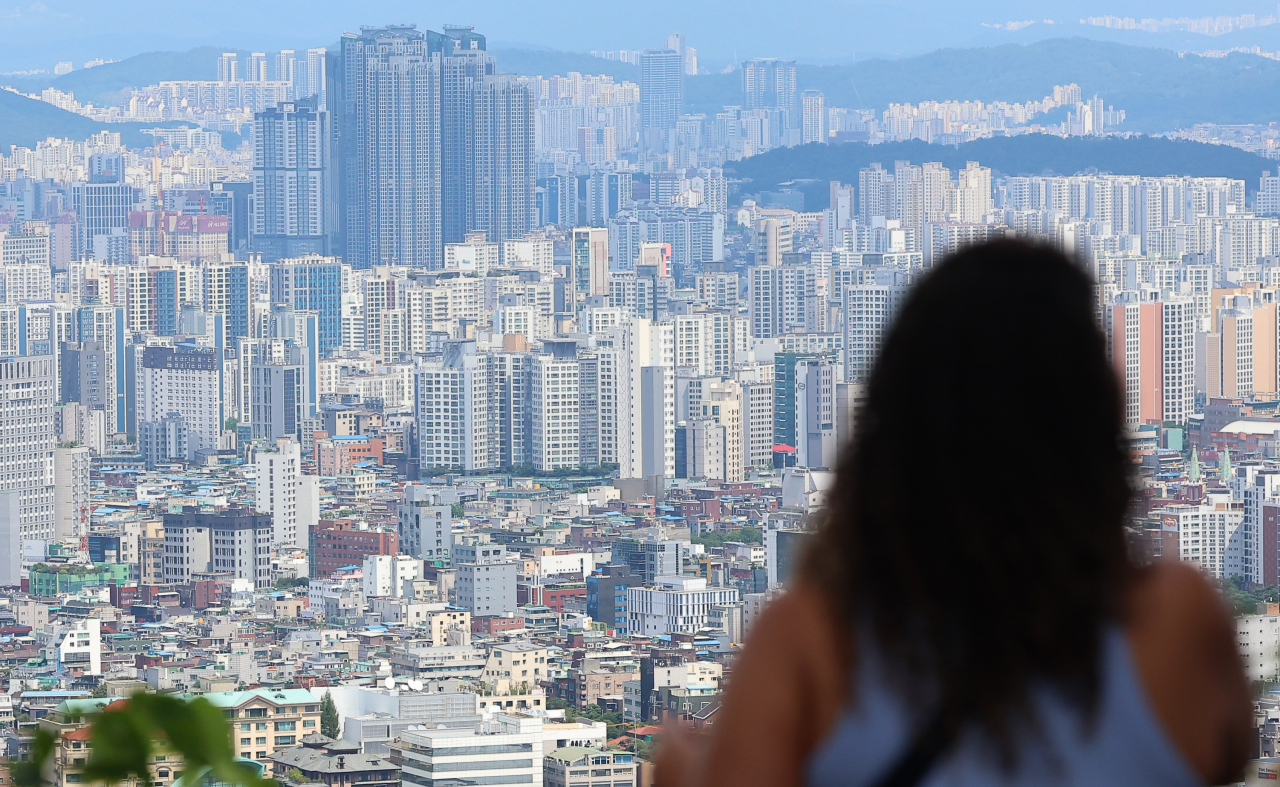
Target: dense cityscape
<point>425,418</point>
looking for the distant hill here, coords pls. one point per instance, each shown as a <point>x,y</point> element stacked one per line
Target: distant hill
<point>102,85</point>
<point>1159,90</point>
<point>25,121</point>
<point>1032,154</point>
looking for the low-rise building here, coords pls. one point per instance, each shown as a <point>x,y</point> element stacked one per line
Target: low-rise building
<point>572,766</point>
<point>321,760</point>
<point>264,721</point>
<point>506,750</point>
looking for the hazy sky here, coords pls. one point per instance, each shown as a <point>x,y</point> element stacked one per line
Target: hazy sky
<point>36,33</point>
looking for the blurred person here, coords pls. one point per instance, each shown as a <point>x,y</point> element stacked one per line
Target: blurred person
<point>967,614</point>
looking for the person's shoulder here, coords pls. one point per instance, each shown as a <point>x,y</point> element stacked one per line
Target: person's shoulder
<point>804,613</point>
<point>1174,598</point>
<point>1183,642</point>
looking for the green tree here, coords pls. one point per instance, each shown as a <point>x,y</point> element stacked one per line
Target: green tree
<point>296,776</point>
<point>642,748</point>
<point>98,691</point>
<point>1244,597</point>
<point>123,744</point>
<point>232,423</point>
<point>458,509</point>
<point>329,717</point>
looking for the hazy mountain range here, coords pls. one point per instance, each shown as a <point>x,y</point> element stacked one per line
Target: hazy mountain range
<point>1159,90</point>
<point>37,33</point>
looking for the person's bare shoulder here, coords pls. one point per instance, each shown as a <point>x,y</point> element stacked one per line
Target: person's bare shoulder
<point>1183,641</point>
<point>802,616</point>
<point>785,693</point>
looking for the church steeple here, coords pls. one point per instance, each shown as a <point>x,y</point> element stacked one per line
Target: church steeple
<point>1193,468</point>
<point>1224,465</point>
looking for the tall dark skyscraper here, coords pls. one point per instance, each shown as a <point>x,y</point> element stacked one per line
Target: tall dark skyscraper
<point>460,73</point>
<point>432,145</point>
<point>503,172</point>
<point>388,110</point>
<point>487,139</point>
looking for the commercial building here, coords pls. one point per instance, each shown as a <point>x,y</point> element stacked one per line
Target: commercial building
<point>674,605</point>
<point>27,440</point>
<point>425,524</point>
<point>184,379</point>
<point>282,490</point>
<point>486,579</point>
<point>233,542</point>
<point>443,757</point>
<point>338,544</point>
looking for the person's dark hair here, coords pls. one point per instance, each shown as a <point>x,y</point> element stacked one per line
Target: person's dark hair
<point>975,528</point>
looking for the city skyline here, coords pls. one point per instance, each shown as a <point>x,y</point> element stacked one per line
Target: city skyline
<point>441,413</point>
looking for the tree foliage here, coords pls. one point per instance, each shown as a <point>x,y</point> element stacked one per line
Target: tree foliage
<point>1244,598</point>
<point>329,717</point>
<point>124,741</point>
<point>718,538</point>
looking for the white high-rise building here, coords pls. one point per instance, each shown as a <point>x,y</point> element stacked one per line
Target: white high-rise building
<point>972,196</point>
<point>313,76</point>
<point>766,292</point>
<point>71,491</point>
<point>723,404</point>
<point>1258,640</point>
<point>486,578</point>
<point>1211,535</point>
<point>815,398</point>
<point>704,343</point>
<point>556,396</point>
<point>455,411</point>
<point>757,413</point>
<point>185,380</point>
<point>11,539</point>
<point>813,107</point>
<point>281,490</point>
<point>643,403</point>
<point>869,310</point>
<point>27,440</point>
<point>532,252</point>
<point>474,755</point>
